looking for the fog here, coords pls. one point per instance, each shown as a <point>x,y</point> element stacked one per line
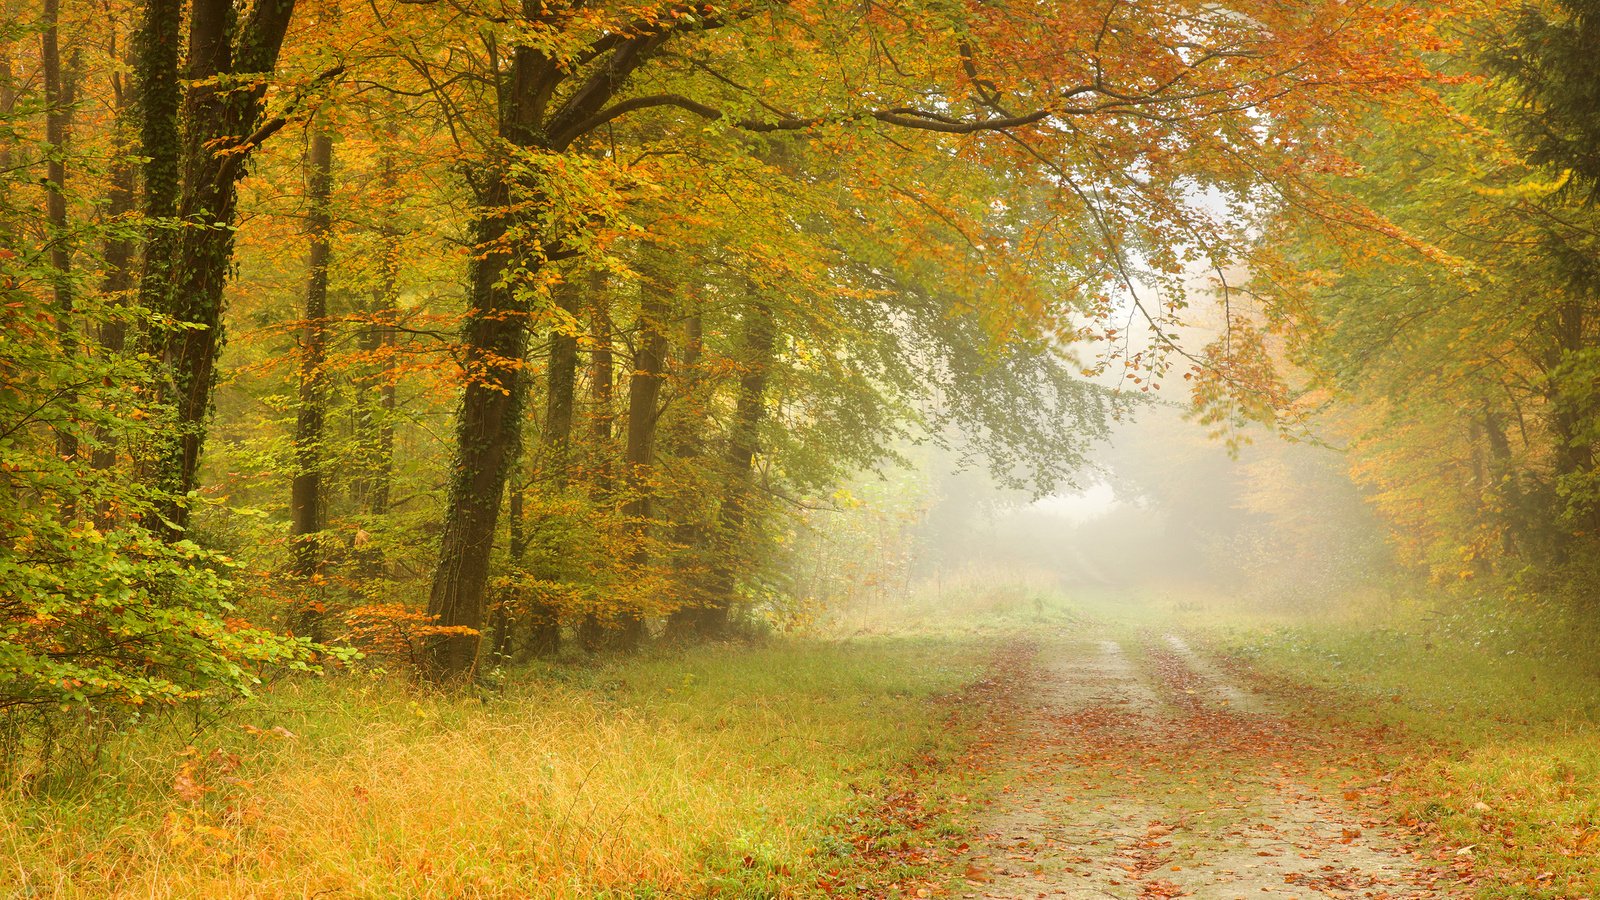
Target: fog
<point>1278,523</point>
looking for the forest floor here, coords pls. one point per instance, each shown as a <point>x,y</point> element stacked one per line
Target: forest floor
<point>1131,767</point>
<point>1390,742</point>
<point>1004,742</point>
<point>731,770</point>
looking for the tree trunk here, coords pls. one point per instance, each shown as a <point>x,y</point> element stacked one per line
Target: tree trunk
<point>1503,481</point>
<point>375,388</point>
<point>118,283</point>
<point>488,433</point>
<point>375,405</point>
<point>688,534</point>
<point>306,514</point>
<point>644,394</point>
<point>500,626</point>
<point>602,383</point>
<point>9,232</point>
<point>561,380</point>
<point>1574,454</point>
<point>221,130</point>
<point>1570,419</point>
<point>744,441</point>
<point>489,429</point>
<point>58,130</point>
<point>160,91</point>
<point>591,633</point>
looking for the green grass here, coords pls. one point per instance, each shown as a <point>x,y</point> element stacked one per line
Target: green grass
<point>976,601</point>
<point>1498,699</point>
<point>717,770</point>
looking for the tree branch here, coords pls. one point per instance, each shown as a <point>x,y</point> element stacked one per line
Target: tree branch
<point>902,117</point>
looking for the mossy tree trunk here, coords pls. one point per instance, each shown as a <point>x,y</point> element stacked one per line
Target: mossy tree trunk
<point>488,434</point>
<point>187,271</point>
<point>118,283</point>
<point>306,500</point>
<point>223,125</point>
<point>489,426</point>
<point>58,99</point>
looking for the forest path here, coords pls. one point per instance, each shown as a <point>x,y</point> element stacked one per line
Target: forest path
<point>1137,770</point>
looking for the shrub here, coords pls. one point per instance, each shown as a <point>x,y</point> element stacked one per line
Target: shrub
<point>123,618</point>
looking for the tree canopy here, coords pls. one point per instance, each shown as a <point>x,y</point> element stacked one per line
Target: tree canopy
<point>562,314</point>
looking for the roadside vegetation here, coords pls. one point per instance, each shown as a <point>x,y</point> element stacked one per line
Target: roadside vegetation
<point>1489,701</point>
<point>720,771</point>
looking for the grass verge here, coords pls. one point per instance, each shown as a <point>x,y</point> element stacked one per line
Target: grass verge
<point>1496,711</point>
<point>729,772</point>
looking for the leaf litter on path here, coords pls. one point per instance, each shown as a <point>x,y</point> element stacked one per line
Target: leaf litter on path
<point>1146,774</point>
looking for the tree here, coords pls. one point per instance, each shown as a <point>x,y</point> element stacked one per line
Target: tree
<point>760,340</point>
<point>100,618</point>
<point>1455,327</point>
<point>1548,56</point>
<point>1148,89</point>
<point>306,504</point>
<point>59,99</point>
<point>184,274</point>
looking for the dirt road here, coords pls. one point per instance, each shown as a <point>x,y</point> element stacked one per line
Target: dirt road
<point>1138,770</point>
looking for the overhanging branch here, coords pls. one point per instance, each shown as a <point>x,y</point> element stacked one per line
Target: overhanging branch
<point>903,117</point>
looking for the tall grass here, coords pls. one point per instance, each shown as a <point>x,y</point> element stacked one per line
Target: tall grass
<point>718,769</point>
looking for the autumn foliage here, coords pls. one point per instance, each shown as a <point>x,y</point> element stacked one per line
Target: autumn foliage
<point>456,333</point>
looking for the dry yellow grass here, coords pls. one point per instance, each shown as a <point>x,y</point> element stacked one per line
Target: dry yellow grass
<point>659,777</point>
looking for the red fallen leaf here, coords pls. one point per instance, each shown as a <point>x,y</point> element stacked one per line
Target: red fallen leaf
<point>187,789</point>
<point>1160,889</point>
